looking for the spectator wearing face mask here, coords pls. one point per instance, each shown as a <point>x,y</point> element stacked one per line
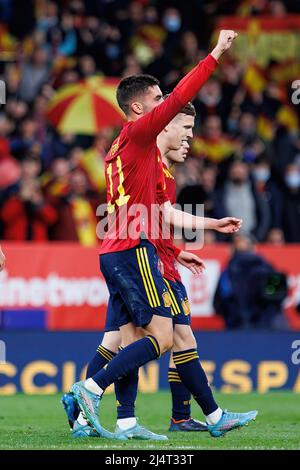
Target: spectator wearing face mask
<point>268,189</point>
<point>172,24</point>
<point>291,204</point>
<point>241,199</point>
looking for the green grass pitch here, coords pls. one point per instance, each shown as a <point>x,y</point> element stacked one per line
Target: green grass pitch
<point>38,422</point>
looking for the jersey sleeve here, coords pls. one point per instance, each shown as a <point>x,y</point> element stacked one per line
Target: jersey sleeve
<point>176,251</point>
<point>146,129</point>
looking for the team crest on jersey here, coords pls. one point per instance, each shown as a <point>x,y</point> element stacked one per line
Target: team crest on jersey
<point>186,307</point>
<point>115,147</point>
<point>167,299</point>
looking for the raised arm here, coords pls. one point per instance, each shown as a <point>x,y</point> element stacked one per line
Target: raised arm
<point>188,221</point>
<point>146,129</point>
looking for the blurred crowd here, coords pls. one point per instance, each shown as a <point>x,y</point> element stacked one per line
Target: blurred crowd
<point>245,156</point>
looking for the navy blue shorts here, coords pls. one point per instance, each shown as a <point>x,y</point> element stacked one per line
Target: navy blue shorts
<point>112,319</point>
<point>180,305</point>
<point>136,287</point>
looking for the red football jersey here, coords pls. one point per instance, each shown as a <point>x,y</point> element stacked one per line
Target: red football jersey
<point>165,248</point>
<point>132,166</point>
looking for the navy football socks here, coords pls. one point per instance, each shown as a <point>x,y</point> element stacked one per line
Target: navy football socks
<point>181,397</point>
<point>129,359</point>
<point>101,358</point>
<point>193,376</point>
<point>125,388</point>
<point>126,392</point>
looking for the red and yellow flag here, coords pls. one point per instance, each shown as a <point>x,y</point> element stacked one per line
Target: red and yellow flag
<point>214,150</point>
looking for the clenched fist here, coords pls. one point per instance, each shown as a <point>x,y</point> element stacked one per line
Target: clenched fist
<point>226,38</point>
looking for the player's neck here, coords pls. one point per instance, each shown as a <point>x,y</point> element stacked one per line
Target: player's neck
<point>168,163</point>
<point>164,149</point>
<point>162,145</point>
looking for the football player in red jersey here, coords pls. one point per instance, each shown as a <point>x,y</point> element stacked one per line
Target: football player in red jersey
<point>129,263</point>
<point>185,345</point>
<point>184,342</point>
<point>186,375</point>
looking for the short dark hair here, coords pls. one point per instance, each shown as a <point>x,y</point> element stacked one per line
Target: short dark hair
<point>131,87</point>
<point>188,109</point>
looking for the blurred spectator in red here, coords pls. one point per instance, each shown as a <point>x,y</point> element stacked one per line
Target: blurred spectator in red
<point>76,212</point>
<point>56,182</point>
<point>9,167</point>
<point>25,213</point>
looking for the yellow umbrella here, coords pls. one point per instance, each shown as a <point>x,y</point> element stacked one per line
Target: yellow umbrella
<point>86,107</point>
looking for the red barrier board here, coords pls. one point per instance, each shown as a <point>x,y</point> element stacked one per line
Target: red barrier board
<point>66,280</point>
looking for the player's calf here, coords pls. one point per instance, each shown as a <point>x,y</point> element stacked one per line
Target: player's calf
<point>161,328</point>
<point>183,338</point>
